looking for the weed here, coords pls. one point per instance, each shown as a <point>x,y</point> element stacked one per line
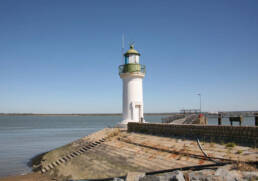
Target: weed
<point>239,152</point>
<point>230,145</point>
<point>243,167</point>
<point>115,132</point>
<point>211,144</point>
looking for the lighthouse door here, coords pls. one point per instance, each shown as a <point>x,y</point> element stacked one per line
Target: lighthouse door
<point>138,113</point>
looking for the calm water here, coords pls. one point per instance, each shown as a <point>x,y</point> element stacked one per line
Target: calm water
<point>22,137</point>
<point>248,121</point>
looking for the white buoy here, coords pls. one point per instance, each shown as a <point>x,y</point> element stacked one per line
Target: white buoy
<point>132,73</point>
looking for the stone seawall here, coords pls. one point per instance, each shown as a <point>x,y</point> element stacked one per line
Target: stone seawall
<point>239,134</point>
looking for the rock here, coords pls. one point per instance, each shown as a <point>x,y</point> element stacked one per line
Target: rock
<point>225,173</point>
<point>177,176</point>
<point>134,176</point>
<point>150,178</point>
<point>203,176</point>
<point>250,175</point>
<point>228,175</point>
<point>172,176</point>
<point>118,179</point>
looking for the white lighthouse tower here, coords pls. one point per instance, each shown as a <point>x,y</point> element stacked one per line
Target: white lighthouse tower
<point>132,73</point>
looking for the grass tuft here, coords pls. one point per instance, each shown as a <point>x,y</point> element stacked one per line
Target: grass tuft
<point>239,152</point>
<point>212,144</point>
<point>230,145</point>
<point>244,167</point>
<point>115,132</point>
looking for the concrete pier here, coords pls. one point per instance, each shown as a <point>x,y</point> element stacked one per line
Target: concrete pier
<point>116,152</point>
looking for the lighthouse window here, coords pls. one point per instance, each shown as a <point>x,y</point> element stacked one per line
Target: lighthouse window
<point>132,59</point>
<point>126,60</point>
<point>137,59</point>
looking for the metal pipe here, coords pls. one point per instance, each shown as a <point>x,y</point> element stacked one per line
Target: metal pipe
<point>200,95</point>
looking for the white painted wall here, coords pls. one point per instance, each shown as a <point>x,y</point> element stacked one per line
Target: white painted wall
<point>132,96</point>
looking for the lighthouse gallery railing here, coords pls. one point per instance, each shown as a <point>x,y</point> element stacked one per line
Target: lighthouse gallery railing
<point>127,68</point>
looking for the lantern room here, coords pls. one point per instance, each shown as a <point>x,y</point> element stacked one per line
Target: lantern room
<point>132,56</point>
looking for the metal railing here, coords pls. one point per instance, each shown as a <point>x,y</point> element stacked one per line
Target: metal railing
<point>128,68</point>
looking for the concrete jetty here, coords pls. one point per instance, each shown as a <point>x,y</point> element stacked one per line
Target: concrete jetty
<point>114,152</point>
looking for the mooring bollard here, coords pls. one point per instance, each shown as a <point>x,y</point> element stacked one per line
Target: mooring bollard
<point>256,119</point>
<point>219,119</point>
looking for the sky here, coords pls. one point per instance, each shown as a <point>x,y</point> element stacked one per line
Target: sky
<point>62,56</point>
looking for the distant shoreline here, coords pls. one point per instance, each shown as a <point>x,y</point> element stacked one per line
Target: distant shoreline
<point>244,113</point>
<point>91,114</point>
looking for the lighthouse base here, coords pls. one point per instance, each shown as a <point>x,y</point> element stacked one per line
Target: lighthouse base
<point>134,121</point>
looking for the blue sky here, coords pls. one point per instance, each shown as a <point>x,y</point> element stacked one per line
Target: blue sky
<point>63,56</point>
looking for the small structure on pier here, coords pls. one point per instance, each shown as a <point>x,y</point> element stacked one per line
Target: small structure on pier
<point>190,111</point>
<point>237,117</point>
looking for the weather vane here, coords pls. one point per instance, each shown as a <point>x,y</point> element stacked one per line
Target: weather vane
<point>131,44</point>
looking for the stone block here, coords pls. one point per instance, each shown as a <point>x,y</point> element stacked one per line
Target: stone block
<point>134,176</point>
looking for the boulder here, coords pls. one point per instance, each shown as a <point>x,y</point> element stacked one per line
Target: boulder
<point>172,176</point>
<point>228,175</point>
<point>203,175</point>
<point>134,176</point>
<point>250,175</point>
<point>150,178</point>
<point>118,179</point>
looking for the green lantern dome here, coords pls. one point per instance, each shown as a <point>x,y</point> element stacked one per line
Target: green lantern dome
<point>132,51</point>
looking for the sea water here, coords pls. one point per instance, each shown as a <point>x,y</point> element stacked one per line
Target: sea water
<point>23,137</point>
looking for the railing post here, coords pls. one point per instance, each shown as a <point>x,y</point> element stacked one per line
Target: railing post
<point>219,118</point>
<point>231,121</point>
<point>256,119</point>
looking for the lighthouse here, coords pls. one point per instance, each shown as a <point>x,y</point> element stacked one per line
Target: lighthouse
<point>132,74</point>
